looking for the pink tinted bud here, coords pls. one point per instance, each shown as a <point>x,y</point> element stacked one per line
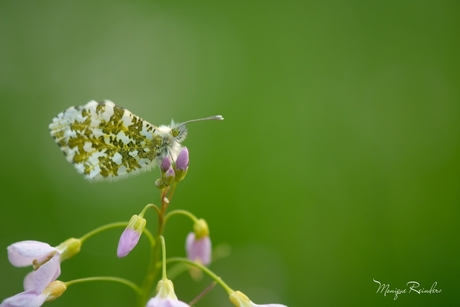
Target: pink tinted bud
<point>131,235</point>
<point>165,164</point>
<point>182,164</point>
<point>198,249</point>
<point>182,160</point>
<point>168,177</point>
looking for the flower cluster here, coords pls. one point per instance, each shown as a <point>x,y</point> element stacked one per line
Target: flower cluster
<point>41,285</point>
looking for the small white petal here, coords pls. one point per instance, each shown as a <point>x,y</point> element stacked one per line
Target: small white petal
<point>47,273</point>
<point>23,253</point>
<point>24,299</point>
<point>161,302</point>
<point>29,283</point>
<point>198,250</point>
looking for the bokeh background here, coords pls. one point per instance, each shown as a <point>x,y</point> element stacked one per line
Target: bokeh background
<point>337,163</point>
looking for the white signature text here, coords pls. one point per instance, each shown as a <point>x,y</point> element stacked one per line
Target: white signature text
<point>411,287</point>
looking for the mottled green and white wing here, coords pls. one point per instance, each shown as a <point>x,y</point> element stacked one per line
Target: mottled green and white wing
<point>104,141</point>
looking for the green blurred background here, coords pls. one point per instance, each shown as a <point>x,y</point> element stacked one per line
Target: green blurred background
<point>337,163</point>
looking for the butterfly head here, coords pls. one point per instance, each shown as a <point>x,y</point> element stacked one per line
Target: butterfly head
<point>178,131</point>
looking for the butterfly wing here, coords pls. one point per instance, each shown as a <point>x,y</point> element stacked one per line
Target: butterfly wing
<point>105,141</point>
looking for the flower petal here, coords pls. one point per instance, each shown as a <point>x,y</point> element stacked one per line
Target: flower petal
<point>128,240</point>
<point>198,250</point>
<point>24,299</point>
<point>269,305</point>
<point>29,283</point>
<point>165,302</point>
<point>24,252</point>
<point>182,160</point>
<point>165,296</point>
<point>47,273</point>
<point>239,299</point>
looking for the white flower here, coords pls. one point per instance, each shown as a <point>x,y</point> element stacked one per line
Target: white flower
<point>30,298</point>
<point>240,300</point>
<point>165,296</point>
<point>40,285</point>
<point>45,259</point>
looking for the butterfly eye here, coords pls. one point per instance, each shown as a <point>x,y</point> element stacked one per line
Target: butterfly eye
<point>175,132</point>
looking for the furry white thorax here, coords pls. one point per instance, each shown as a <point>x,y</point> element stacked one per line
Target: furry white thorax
<point>171,145</point>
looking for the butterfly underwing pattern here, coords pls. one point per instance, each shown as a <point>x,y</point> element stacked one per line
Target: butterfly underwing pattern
<point>105,141</point>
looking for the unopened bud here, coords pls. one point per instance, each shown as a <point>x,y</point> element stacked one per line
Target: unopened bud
<point>69,248</point>
<point>240,300</point>
<point>54,290</point>
<point>159,184</point>
<point>165,164</point>
<point>130,237</point>
<point>201,229</point>
<point>168,177</point>
<point>181,166</point>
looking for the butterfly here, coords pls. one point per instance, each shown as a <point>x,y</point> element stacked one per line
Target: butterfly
<point>105,141</point>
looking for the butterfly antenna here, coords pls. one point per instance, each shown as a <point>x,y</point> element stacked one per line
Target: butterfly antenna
<point>215,117</point>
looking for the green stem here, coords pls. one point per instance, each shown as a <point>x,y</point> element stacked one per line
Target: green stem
<point>150,276</point>
<point>163,254</point>
<point>204,269</point>
<point>172,191</point>
<point>152,270</point>
<point>150,237</point>
<point>107,278</point>
<point>161,214</point>
<point>101,229</point>
<point>147,207</point>
<point>184,212</point>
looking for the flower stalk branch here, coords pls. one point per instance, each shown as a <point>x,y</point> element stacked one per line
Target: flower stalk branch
<point>123,281</point>
<point>101,229</point>
<point>205,270</point>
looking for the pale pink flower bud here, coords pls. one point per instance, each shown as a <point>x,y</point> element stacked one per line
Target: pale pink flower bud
<point>198,250</point>
<point>168,177</point>
<point>182,162</point>
<point>130,237</point>
<point>165,164</point>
